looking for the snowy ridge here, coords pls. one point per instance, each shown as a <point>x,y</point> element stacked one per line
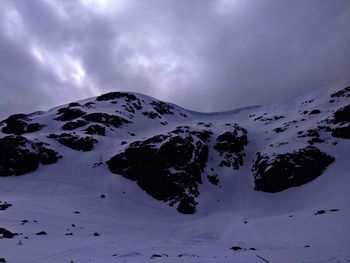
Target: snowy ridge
<point>112,173</point>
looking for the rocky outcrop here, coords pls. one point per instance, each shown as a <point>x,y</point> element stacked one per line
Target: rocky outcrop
<point>74,141</point>
<point>168,167</point>
<point>106,119</point>
<point>69,113</point>
<point>342,115</point>
<point>230,146</point>
<point>18,155</point>
<point>72,125</point>
<point>19,124</point>
<point>277,172</point>
<point>95,129</point>
<point>344,93</point>
<point>116,95</point>
<point>340,121</point>
<point>162,107</point>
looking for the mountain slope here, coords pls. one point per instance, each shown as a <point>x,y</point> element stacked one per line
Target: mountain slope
<point>110,172</point>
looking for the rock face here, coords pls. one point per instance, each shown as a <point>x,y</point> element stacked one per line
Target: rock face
<point>341,123</point>
<point>162,107</point>
<point>342,115</point>
<point>19,124</point>
<point>74,141</point>
<point>341,132</point>
<point>230,146</point>
<point>19,155</point>
<point>342,93</point>
<point>72,125</point>
<point>168,167</point>
<point>95,130</point>
<point>68,114</point>
<point>282,171</point>
<point>117,95</point>
<point>106,119</point>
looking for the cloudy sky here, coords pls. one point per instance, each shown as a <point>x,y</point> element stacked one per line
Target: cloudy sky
<point>203,55</point>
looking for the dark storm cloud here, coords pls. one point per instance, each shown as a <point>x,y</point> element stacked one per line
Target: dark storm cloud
<point>203,55</point>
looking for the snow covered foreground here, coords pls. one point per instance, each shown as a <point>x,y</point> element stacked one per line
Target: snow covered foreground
<point>88,214</point>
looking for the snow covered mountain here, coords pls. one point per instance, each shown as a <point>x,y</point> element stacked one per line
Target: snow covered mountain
<point>127,178</point>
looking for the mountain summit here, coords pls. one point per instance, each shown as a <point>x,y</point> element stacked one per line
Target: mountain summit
<point>133,165</point>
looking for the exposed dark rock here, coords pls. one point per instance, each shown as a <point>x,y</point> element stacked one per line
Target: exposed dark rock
<point>279,172</point>
<point>116,95</point>
<point>230,146</point>
<point>74,141</point>
<point>4,233</point>
<point>341,93</point>
<point>267,120</point>
<point>320,212</point>
<point>2,260</point>
<point>96,130</point>
<point>68,114</point>
<point>341,132</point>
<point>314,136</point>
<point>25,221</point>
<point>96,234</point>
<point>236,248</point>
<point>151,114</point>
<point>213,179</point>
<point>19,155</point>
<point>307,101</point>
<point>106,119</point>
<point>342,118</point>
<point>89,105</point>
<point>342,115</point>
<point>187,205</point>
<point>19,124</point>
<point>280,129</point>
<point>315,140</point>
<point>74,104</point>
<point>168,167</point>
<point>315,111</point>
<point>162,107</point>
<point>41,233</point>
<point>155,256</point>
<point>4,206</point>
<point>72,125</point>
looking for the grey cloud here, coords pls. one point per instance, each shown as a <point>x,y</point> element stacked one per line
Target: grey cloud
<point>202,55</point>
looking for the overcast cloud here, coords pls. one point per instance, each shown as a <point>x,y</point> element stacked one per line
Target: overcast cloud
<point>202,55</point>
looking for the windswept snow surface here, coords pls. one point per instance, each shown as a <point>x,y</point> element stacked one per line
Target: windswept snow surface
<point>92,215</point>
